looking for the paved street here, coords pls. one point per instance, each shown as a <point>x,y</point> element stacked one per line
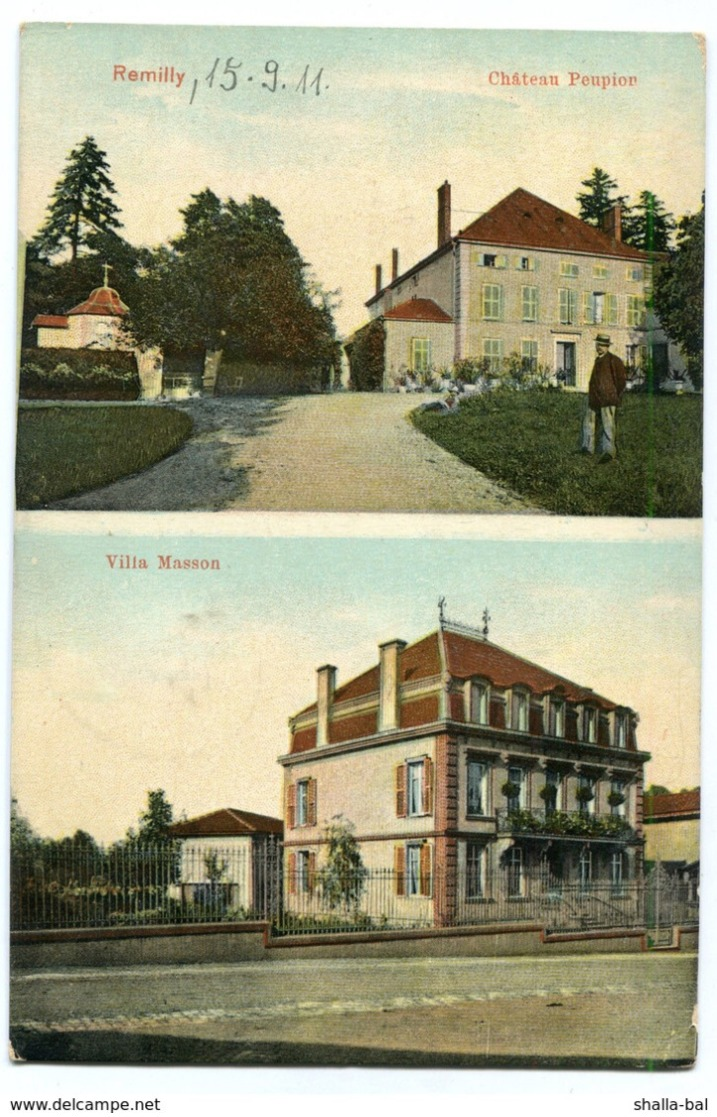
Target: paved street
<point>622,1009</point>
<point>349,452</point>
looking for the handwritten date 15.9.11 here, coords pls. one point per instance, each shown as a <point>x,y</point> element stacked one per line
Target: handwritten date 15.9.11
<point>225,74</point>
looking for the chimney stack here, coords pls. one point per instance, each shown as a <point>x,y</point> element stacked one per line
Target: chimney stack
<point>326,685</point>
<point>379,282</point>
<point>394,264</point>
<point>611,222</point>
<point>444,213</point>
<point>388,704</point>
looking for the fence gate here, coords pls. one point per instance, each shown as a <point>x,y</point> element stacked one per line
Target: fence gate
<point>670,901</point>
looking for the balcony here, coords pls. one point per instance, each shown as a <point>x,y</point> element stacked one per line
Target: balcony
<point>564,824</point>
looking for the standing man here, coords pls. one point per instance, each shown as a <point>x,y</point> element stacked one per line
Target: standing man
<point>607,383</point>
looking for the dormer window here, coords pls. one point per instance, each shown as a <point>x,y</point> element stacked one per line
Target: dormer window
<point>556,717</point>
<point>589,725</point>
<point>620,741</point>
<point>479,702</point>
<point>519,711</point>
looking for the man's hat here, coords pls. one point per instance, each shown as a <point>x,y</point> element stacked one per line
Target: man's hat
<point>602,339</point>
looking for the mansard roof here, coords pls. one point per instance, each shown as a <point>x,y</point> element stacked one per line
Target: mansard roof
<point>523,220</point>
<point>227,822</point>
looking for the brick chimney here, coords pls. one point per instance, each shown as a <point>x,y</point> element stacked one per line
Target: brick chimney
<point>444,213</point>
<point>388,704</point>
<point>379,281</point>
<point>326,685</point>
<point>611,222</point>
<point>394,264</point>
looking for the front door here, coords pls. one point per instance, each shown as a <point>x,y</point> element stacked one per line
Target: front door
<point>565,363</point>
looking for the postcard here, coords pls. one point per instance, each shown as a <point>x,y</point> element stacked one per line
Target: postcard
<point>356,656</point>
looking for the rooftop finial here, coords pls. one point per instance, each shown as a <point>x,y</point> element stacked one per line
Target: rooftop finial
<point>106,269</point>
<point>486,618</point>
<point>441,611</point>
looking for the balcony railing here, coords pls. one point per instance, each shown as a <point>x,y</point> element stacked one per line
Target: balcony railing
<point>568,824</point>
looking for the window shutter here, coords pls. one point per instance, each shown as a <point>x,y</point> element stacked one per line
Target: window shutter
<point>311,803</point>
<point>291,806</point>
<point>425,870</point>
<point>311,880</point>
<point>611,309</point>
<point>291,864</point>
<point>427,804</point>
<point>399,869</point>
<point>401,806</point>
<point>587,306</point>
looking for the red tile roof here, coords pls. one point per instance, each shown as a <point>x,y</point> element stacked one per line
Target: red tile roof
<point>418,310</point>
<point>673,805</point>
<point>522,220</point>
<point>225,823</point>
<point>104,301</point>
<point>58,321</point>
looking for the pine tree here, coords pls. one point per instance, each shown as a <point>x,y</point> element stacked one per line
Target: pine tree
<point>81,205</point>
<point>649,225</point>
<point>599,197</point>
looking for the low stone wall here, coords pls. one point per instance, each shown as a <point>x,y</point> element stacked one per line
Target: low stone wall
<point>211,942</point>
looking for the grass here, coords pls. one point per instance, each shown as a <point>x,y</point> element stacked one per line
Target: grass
<point>528,441</point>
<point>66,450</point>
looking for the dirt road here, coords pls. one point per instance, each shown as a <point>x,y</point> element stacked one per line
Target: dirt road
<point>348,452</point>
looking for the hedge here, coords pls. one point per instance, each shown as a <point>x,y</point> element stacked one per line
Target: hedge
<point>78,374</point>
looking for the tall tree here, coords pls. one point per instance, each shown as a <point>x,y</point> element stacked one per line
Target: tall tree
<point>599,197</point>
<point>155,820</point>
<point>234,280</point>
<point>81,205</point>
<point>649,225</point>
<point>679,292</point>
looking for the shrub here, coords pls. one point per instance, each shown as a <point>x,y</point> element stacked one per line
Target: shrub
<point>80,374</point>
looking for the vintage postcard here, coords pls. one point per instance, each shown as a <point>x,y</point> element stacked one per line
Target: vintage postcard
<point>361,270</point>
<point>294,786</point>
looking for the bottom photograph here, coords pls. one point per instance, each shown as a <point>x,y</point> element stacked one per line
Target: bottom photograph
<point>381,802</point>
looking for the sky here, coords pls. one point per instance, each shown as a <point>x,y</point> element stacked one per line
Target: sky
<point>354,169</point>
<point>132,679</point>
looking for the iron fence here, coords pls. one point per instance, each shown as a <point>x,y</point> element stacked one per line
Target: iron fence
<point>71,885</point>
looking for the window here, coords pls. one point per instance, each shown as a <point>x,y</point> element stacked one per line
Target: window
<point>493,351</point>
<point>301,803</point>
<point>515,872</point>
<point>635,273</point>
<point>412,869</point>
<point>492,301</point>
<point>556,717</point>
<point>569,269</point>
<point>479,703</point>
<point>414,787</point>
<point>585,868</point>
<point>420,354</point>
<point>529,355</point>
<point>589,725</point>
<point>617,870</point>
<point>620,729</point>
<point>567,306</point>
<point>586,795</point>
<point>491,260</point>
<point>635,310</point>
<point>475,854</point>
<point>552,788</point>
<point>516,781</point>
<point>636,356</point>
<point>519,707</point>
<point>529,300</point>
<point>617,798</point>
<point>476,788</point>
<point>525,263</point>
<point>600,271</point>
<point>301,871</point>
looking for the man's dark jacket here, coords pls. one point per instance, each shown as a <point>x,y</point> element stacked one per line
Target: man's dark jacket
<point>607,382</point>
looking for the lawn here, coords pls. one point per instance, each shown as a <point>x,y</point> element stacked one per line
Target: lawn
<point>529,441</point>
<point>66,450</point>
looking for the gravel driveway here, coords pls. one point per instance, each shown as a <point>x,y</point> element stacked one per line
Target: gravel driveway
<point>348,452</point>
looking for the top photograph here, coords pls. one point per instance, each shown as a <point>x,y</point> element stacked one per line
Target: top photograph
<point>360,270</point>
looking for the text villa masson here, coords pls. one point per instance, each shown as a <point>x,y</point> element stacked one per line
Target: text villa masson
<point>163,562</point>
